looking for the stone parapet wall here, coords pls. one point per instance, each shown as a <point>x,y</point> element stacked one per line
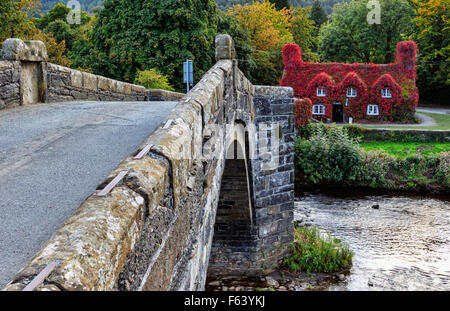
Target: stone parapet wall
<point>9,84</point>
<point>27,78</point>
<point>65,84</point>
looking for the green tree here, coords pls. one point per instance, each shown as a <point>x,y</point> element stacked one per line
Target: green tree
<point>318,15</point>
<point>55,22</point>
<point>303,31</point>
<point>60,12</point>
<point>56,50</point>
<point>433,38</point>
<point>61,32</point>
<point>86,57</point>
<point>348,37</point>
<point>160,34</point>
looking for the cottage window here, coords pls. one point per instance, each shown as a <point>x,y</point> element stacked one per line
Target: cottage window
<point>372,110</point>
<point>351,92</point>
<point>386,93</point>
<point>318,109</point>
<point>321,92</point>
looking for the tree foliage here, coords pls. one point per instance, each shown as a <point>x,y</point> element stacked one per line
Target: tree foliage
<point>56,50</point>
<point>267,26</point>
<point>55,22</point>
<point>327,5</point>
<point>348,37</point>
<point>158,34</point>
<point>318,14</point>
<point>227,24</point>
<point>269,29</point>
<point>303,30</point>
<point>433,37</point>
<point>15,18</point>
<point>153,79</point>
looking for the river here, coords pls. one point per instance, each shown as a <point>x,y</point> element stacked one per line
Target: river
<point>404,244</point>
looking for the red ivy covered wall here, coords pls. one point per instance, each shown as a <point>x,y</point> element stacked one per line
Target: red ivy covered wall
<point>368,79</point>
<point>302,112</point>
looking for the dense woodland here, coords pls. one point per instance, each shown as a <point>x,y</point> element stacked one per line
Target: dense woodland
<point>146,41</point>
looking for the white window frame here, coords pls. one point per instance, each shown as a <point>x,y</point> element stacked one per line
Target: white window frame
<point>352,92</point>
<point>318,110</point>
<point>386,93</point>
<point>321,92</point>
<point>373,110</point>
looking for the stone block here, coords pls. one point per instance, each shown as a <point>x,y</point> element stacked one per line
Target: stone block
<point>123,88</point>
<point>29,50</point>
<point>276,91</point>
<point>225,47</point>
<point>103,84</point>
<point>76,78</point>
<point>147,176</point>
<point>138,89</point>
<point>90,81</point>
<point>6,65</point>
<point>58,69</point>
<point>127,88</point>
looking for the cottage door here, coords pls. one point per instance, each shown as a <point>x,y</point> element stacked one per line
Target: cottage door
<point>338,112</point>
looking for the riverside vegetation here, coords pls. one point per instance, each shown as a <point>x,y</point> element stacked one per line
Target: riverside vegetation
<point>313,251</point>
<point>334,156</point>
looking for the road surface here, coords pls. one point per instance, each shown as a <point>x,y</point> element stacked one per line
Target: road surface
<point>52,157</point>
<point>433,110</point>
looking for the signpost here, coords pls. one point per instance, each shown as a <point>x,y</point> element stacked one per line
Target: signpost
<point>188,73</point>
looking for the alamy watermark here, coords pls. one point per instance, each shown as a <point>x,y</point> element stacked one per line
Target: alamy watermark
<point>236,142</point>
<point>374,15</point>
<point>74,16</point>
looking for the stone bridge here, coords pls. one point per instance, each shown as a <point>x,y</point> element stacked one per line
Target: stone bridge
<point>210,191</point>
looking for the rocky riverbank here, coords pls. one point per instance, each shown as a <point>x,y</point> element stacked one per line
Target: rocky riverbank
<point>281,280</point>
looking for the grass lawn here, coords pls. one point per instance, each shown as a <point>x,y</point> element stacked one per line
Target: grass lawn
<point>402,150</point>
<point>442,123</point>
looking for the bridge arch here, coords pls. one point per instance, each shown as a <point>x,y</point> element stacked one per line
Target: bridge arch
<point>234,229</point>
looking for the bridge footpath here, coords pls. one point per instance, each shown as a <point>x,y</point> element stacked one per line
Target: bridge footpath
<point>52,157</point>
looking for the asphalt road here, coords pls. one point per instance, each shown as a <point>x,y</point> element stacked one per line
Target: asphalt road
<point>52,157</point>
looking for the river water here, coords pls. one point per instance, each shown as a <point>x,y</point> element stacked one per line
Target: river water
<point>402,245</point>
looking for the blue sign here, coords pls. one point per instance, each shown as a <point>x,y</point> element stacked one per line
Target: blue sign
<point>188,73</point>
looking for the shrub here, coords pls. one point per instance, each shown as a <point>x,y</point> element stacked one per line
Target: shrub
<point>329,155</point>
<point>315,252</point>
<point>373,169</point>
<point>443,169</point>
<point>153,79</point>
